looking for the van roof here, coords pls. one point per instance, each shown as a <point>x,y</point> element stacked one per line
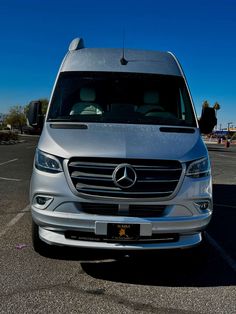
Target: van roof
<point>109,60</point>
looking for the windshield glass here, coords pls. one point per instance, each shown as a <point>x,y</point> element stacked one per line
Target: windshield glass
<point>121,98</point>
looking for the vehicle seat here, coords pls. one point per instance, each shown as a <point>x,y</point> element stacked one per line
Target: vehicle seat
<point>150,103</point>
<point>86,106</point>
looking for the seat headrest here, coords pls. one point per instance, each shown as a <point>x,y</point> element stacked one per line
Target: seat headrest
<point>87,94</point>
<point>151,97</point>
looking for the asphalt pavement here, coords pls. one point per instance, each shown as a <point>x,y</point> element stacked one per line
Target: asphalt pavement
<point>80,281</point>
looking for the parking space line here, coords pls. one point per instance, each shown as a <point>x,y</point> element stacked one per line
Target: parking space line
<point>226,257</point>
<point>9,161</point>
<point>14,221</point>
<point>10,179</point>
<point>32,146</point>
<point>5,163</point>
<point>229,156</point>
<point>224,205</point>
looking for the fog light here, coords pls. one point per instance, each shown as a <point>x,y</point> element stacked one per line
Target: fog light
<point>203,205</point>
<point>42,201</point>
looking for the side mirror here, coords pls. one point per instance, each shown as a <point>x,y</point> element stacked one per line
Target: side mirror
<point>34,114</point>
<point>207,121</point>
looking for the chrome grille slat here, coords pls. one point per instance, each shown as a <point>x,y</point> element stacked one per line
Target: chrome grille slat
<point>157,181</point>
<point>94,176</point>
<point>155,169</point>
<point>91,165</point>
<point>80,186</point>
<point>91,178</point>
<point>87,174</point>
<point>125,193</point>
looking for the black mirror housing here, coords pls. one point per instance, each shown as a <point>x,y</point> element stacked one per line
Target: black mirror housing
<point>34,114</point>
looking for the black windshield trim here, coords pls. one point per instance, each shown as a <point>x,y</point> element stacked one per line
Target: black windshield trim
<point>68,126</point>
<point>177,130</point>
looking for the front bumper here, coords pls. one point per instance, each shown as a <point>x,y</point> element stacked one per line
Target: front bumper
<point>181,216</point>
<point>58,238</point>
<point>54,225</point>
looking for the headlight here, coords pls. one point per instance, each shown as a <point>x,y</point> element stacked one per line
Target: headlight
<point>46,162</point>
<point>199,168</point>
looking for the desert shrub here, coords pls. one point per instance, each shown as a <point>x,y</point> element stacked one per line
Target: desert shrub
<point>7,136</point>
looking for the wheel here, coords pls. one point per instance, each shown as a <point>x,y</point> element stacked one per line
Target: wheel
<point>38,245</point>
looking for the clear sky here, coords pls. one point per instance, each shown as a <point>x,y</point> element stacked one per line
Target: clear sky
<point>35,34</point>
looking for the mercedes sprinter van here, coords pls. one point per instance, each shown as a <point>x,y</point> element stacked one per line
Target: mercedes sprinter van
<point>120,163</point>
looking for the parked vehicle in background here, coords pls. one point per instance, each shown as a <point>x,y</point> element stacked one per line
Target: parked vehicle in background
<point>31,130</point>
<point>120,163</point>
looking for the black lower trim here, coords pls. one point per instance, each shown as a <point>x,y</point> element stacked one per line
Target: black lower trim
<point>90,236</point>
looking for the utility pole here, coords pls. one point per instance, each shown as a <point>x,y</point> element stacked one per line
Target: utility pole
<point>228,125</point>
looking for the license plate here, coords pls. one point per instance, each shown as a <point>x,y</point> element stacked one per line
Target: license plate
<point>123,232</point>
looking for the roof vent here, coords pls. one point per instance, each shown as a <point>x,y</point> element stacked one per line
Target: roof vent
<point>76,44</point>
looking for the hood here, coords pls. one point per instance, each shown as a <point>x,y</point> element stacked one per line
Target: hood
<point>120,141</point>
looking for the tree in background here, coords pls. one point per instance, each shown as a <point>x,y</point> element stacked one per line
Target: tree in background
<point>208,119</point>
<point>16,117</point>
<point>44,102</point>
<point>205,104</point>
<point>216,107</point>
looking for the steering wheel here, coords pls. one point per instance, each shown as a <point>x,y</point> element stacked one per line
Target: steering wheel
<point>153,110</point>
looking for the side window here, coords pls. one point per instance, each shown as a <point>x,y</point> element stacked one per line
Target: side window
<point>182,106</point>
<point>186,105</point>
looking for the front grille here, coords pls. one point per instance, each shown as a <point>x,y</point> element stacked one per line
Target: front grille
<point>91,236</point>
<point>154,178</point>
<point>100,209</point>
<point>147,211</point>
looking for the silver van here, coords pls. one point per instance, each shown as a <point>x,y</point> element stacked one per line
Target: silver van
<point>120,163</point>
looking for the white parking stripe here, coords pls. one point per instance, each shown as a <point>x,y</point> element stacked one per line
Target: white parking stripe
<point>226,257</point>
<point>32,146</point>
<point>9,161</point>
<point>223,205</point>
<point>14,220</point>
<point>229,156</point>
<point>10,179</point>
<point>5,163</point>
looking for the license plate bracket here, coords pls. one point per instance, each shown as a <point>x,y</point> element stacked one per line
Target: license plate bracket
<point>123,232</point>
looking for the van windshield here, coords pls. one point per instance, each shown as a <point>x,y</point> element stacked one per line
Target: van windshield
<point>110,97</point>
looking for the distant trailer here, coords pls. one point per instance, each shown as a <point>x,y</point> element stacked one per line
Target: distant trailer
<point>220,133</point>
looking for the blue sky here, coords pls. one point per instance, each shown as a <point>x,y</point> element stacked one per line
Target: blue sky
<point>35,34</point>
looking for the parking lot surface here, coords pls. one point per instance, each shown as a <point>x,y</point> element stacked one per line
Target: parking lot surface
<point>80,281</point>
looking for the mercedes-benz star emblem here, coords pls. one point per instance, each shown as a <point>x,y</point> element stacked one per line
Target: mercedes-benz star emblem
<point>124,176</point>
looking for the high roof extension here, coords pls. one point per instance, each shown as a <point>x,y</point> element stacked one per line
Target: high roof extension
<point>80,58</point>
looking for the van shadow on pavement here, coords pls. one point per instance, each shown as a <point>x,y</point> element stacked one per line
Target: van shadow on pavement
<point>198,267</point>
<point>223,224</point>
<point>175,269</point>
